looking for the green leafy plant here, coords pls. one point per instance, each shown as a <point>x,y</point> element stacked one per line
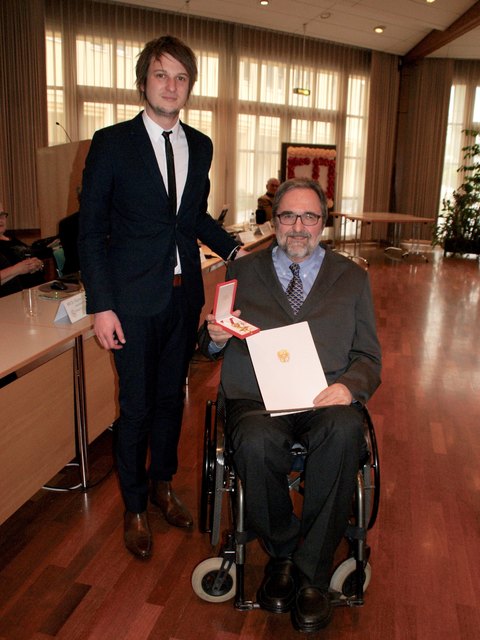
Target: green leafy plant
<point>458,226</point>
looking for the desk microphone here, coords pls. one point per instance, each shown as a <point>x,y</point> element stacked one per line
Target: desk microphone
<point>64,130</point>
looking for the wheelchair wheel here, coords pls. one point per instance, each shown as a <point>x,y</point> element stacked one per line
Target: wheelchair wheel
<point>208,474</point>
<point>371,472</point>
<point>344,579</point>
<point>203,579</point>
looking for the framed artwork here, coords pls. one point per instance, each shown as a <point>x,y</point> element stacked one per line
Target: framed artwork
<point>314,161</point>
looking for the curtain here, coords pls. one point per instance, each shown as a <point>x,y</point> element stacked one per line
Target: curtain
<point>382,118</point>
<point>23,124</point>
<point>81,56</point>
<point>243,99</point>
<point>467,72</point>
<point>423,115</point>
<point>464,114</point>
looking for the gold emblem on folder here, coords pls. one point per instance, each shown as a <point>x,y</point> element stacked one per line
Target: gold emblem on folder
<point>283,355</point>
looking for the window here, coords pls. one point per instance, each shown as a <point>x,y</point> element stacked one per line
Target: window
<point>248,112</point>
<point>207,83</point>
<point>355,145</point>
<point>55,93</point>
<point>463,113</point>
<point>318,118</point>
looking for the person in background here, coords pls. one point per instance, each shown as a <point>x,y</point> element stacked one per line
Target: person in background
<point>143,206</point>
<point>68,234</point>
<point>264,203</point>
<point>297,280</point>
<point>18,269</point>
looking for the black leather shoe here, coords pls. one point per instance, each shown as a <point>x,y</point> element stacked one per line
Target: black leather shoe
<point>312,610</point>
<point>137,535</point>
<point>174,512</point>
<point>277,591</point>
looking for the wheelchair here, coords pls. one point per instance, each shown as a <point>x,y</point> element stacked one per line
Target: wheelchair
<point>221,578</point>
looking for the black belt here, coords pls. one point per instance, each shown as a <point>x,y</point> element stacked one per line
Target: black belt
<point>177,280</point>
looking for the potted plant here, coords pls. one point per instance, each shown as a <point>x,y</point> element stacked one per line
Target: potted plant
<point>458,226</point>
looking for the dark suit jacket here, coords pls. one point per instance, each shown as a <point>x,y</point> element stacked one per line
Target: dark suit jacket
<point>338,309</point>
<point>127,235</point>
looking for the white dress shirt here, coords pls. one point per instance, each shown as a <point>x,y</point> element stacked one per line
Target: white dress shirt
<point>179,144</point>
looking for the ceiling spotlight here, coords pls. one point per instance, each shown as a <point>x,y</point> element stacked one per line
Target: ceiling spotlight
<point>264,3</point>
<point>325,15</point>
<point>380,29</point>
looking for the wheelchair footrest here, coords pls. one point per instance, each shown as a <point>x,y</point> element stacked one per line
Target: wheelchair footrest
<point>247,605</point>
<point>338,600</point>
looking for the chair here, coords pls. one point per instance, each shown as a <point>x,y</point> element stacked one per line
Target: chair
<point>221,578</point>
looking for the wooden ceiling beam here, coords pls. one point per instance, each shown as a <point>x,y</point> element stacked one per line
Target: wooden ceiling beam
<point>437,39</point>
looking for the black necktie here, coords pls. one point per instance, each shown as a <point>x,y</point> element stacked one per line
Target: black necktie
<point>294,289</point>
<point>172,186</point>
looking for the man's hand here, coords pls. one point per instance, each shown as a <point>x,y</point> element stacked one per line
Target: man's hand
<point>217,334</point>
<point>108,330</point>
<point>336,393</point>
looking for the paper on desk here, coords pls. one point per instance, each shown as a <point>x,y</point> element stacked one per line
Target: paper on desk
<point>246,237</point>
<point>72,309</point>
<point>288,369</point>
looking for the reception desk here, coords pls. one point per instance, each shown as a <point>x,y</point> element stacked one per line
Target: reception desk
<point>63,392</point>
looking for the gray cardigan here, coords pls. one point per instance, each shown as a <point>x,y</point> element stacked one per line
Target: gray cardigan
<point>339,311</point>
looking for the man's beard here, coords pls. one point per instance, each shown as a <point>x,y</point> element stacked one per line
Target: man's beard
<point>160,111</point>
<point>300,251</point>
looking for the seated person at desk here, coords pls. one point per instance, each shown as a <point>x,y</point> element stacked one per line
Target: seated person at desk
<point>68,233</point>
<point>333,295</point>
<point>264,203</point>
<point>18,270</point>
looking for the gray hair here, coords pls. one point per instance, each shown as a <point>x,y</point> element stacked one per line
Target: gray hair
<point>302,183</point>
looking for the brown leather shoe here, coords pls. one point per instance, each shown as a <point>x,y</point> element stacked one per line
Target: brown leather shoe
<point>137,535</point>
<point>174,511</point>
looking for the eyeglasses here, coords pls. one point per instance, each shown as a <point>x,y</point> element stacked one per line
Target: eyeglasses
<point>3,214</point>
<point>289,218</point>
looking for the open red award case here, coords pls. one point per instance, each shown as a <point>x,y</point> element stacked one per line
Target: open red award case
<point>222,310</point>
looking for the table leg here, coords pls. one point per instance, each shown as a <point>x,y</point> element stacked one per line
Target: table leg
<point>415,244</point>
<point>356,241</point>
<point>397,253</point>
<point>81,411</point>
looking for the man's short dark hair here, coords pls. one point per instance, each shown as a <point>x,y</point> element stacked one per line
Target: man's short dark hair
<point>301,183</point>
<point>165,45</point>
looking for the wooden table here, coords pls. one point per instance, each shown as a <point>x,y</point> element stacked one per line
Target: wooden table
<point>62,397</point>
<point>397,219</point>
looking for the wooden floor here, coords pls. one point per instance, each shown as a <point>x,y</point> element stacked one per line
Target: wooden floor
<point>64,572</point>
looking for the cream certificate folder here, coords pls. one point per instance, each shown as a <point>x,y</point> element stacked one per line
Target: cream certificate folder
<point>287,366</point>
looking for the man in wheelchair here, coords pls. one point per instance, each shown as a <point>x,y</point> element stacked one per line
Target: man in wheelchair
<point>333,295</point>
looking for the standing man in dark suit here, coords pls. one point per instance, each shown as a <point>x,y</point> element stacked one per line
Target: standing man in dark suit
<point>142,211</point>
<point>299,280</point>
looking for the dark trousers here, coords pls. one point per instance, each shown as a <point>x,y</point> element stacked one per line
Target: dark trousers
<point>261,445</point>
<point>152,367</point>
